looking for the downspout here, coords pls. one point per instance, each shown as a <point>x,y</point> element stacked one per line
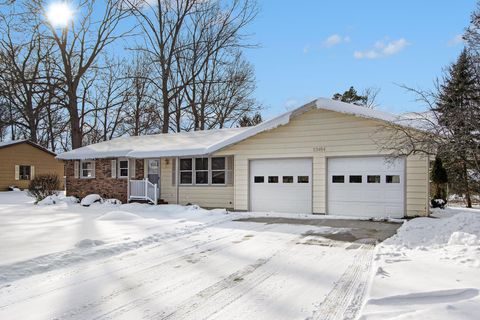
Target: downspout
<point>177,182</point>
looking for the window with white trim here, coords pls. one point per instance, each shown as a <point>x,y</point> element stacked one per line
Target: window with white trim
<point>218,170</point>
<point>123,168</point>
<point>24,172</point>
<point>87,169</point>
<point>186,169</point>
<point>201,170</point>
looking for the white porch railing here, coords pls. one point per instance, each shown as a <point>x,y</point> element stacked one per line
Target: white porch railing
<point>143,190</point>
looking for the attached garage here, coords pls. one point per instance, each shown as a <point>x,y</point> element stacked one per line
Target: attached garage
<point>366,187</point>
<point>281,185</point>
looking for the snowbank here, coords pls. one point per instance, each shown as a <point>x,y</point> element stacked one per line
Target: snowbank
<point>437,233</point>
<point>90,199</point>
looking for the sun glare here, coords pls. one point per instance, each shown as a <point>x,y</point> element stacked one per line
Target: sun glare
<point>59,14</point>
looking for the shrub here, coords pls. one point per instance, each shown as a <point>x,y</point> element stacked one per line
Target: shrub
<point>44,185</point>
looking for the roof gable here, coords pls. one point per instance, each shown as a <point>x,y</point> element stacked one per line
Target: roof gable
<point>6,144</point>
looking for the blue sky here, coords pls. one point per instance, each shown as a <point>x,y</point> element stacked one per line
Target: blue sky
<point>312,48</point>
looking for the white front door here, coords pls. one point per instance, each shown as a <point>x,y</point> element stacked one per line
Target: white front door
<point>366,187</point>
<point>281,185</point>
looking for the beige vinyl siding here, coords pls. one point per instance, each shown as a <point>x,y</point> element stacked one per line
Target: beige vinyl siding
<point>204,196</point>
<point>332,134</point>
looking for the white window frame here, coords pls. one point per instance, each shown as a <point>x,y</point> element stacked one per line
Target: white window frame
<point>93,169</point>
<point>191,171</point>
<point>119,171</point>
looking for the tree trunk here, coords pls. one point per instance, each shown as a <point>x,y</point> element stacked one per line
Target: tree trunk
<point>467,186</point>
<point>75,129</point>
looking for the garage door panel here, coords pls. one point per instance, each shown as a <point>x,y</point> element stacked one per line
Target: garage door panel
<point>291,196</point>
<point>377,198</point>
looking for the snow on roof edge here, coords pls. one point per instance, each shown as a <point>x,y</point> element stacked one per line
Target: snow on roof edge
<point>282,119</point>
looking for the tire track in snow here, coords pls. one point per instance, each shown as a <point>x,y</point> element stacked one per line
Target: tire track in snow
<point>344,301</point>
<point>216,297</point>
<point>158,268</point>
<point>23,269</point>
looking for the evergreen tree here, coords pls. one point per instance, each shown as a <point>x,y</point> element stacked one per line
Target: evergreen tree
<point>439,179</point>
<point>458,103</point>
<point>249,121</point>
<point>351,96</point>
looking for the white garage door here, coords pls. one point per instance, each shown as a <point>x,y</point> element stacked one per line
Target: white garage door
<point>366,187</point>
<point>281,185</point>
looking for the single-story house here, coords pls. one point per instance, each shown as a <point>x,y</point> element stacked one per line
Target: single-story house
<point>21,160</point>
<point>321,158</point>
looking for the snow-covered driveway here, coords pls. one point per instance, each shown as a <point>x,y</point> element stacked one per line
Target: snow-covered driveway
<point>142,262</point>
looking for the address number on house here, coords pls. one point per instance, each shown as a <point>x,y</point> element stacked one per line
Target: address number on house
<point>318,149</point>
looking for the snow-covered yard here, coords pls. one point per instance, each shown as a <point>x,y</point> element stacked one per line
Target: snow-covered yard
<point>135,261</point>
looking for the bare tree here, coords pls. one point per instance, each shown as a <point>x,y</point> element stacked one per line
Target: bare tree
<point>185,37</point>
<point>79,47</point>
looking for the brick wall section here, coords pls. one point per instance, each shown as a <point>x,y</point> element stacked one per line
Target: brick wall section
<point>103,183</point>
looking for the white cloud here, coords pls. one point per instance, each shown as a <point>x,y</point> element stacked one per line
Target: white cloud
<point>306,49</point>
<point>382,49</point>
<point>334,40</point>
<point>456,40</point>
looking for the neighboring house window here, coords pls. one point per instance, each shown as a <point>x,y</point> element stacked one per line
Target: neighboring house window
<point>186,168</point>
<point>87,169</point>
<point>201,170</point>
<point>218,170</point>
<point>24,173</point>
<point>123,168</point>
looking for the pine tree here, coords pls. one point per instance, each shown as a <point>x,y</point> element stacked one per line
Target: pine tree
<point>351,96</point>
<point>249,121</point>
<point>439,179</point>
<point>458,102</point>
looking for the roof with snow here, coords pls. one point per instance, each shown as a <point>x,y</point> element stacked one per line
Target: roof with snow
<point>208,141</point>
<point>5,144</point>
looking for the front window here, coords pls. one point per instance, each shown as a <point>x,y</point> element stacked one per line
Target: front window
<point>186,169</point>
<point>123,168</point>
<point>87,169</point>
<point>218,170</point>
<point>24,173</point>
<point>201,171</point>
<point>204,171</point>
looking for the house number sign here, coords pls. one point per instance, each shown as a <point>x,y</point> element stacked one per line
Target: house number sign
<point>319,149</point>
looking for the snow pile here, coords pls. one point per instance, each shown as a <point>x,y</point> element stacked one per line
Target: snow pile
<point>90,199</point>
<point>463,239</point>
<point>56,199</point>
<point>89,243</point>
<point>119,216</point>
<point>437,233</point>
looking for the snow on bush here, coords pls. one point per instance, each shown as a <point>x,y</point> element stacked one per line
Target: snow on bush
<point>119,216</point>
<point>462,228</point>
<point>90,199</point>
<point>112,202</point>
<point>54,199</point>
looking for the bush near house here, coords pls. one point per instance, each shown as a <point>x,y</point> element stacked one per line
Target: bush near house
<point>44,185</point>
